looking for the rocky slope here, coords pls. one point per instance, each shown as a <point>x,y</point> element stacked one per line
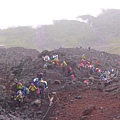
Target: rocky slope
<point>75,100</point>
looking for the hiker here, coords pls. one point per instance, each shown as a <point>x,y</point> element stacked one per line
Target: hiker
<point>52,58</point>
<point>69,70</point>
<point>45,66</point>
<point>32,89</point>
<point>46,58</point>
<point>25,91</point>
<point>19,86</point>
<point>83,61</point>
<point>112,73</point>
<point>83,56</point>
<point>72,76</point>
<point>55,59</point>
<point>36,82</point>
<point>98,70</point>
<point>87,65</point>
<point>102,76</point>
<point>107,74</point>
<point>38,90</point>
<point>43,87</point>
<point>105,81</point>
<point>81,66</point>
<point>42,92</point>
<point>86,82</point>
<point>19,98</point>
<point>45,83</point>
<point>63,65</point>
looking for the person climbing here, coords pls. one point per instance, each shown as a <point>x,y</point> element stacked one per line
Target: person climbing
<point>69,70</point>
<point>45,83</point>
<point>19,86</point>
<point>42,92</point>
<point>32,89</point>
<point>63,65</point>
<point>102,76</point>
<point>55,60</point>
<point>86,82</point>
<point>54,57</point>
<point>72,76</point>
<point>83,56</point>
<point>45,66</point>
<point>38,90</point>
<point>98,70</point>
<point>25,91</point>
<point>36,82</point>
<point>112,73</point>
<point>81,66</point>
<point>46,58</point>
<point>107,74</point>
<point>87,65</point>
<point>83,61</point>
<point>19,98</point>
<point>43,86</point>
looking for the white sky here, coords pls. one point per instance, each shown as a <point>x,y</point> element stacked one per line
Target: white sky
<point>38,12</point>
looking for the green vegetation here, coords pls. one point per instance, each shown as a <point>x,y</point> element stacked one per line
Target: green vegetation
<point>101,32</point>
<point>19,36</point>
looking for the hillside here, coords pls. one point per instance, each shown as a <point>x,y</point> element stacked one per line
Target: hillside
<point>101,33</point>
<point>18,37</point>
<point>74,99</point>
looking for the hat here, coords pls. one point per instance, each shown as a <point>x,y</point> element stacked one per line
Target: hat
<point>32,84</point>
<point>19,83</point>
<point>35,79</point>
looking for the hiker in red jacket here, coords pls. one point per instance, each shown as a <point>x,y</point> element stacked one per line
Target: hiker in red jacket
<point>69,70</point>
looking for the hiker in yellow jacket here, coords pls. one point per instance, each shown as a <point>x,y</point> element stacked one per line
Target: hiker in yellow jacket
<point>19,98</point>
<point>83,57</point>
<point>32,89</point>
<point>19,86</point>
<point>63,65</point>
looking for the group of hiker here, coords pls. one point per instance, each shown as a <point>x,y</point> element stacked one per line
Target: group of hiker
<point>39,85</point>
<point>53,59</point>
<point>36,89</point>
<point>93,68</point>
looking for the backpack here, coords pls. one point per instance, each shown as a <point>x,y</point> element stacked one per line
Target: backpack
<point>38,91</point>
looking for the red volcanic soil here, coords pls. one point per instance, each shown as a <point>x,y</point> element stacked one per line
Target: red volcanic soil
<point>74,100</point>
<point>87,104</point>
